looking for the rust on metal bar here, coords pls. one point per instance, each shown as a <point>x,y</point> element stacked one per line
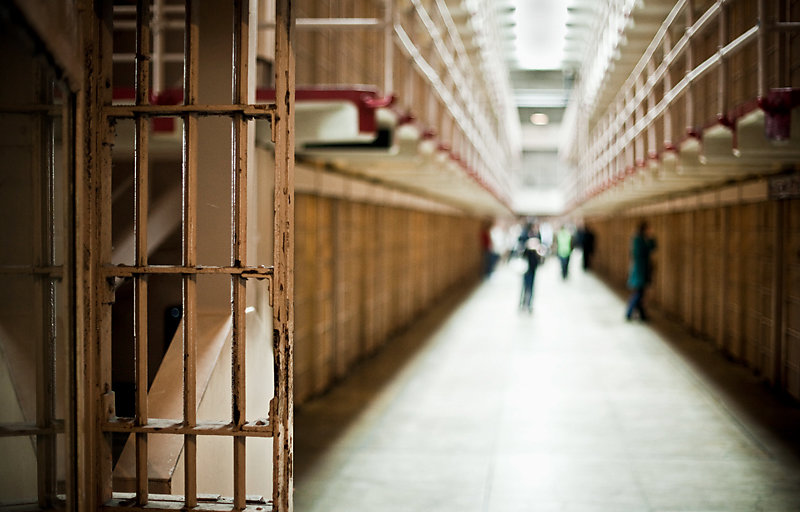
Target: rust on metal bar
<point>134,270</point>
<point>282,289</point>
<point>251,111</point>
<point>125,502</point>
<point>259,428</point>
<point>239,95</point>
<point>98,321</point>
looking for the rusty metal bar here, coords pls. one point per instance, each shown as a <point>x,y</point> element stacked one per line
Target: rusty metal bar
<point>68,335</point>
<point>133,270</point>
<point>135,111</point>
<point>240,67</point>
<point>141,171</point>
<point>124,502</point>
<point>260,428</point>
<point>98,355</point>
<point>189,242</point>
<point>282,289</point>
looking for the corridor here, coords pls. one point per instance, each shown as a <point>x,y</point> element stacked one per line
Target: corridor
<point>480,407</point>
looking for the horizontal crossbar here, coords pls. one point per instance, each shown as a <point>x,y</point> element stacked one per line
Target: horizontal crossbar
<point>132,111</point>
<point>131,270</point>
<point>260,428</point>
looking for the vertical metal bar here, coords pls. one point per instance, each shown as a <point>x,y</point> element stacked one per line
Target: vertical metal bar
<point>68,144</point>
<point>652,150</point>
<point>689,95</point>
<point>159,25</point>
<point>50,294</point>
<point>722,85</point>
<point>283,257</point>
<point>761,42</point>
<point>241,34</point>
<point>140,229</point>
<point>98,233</point>
<point>388,46</point>
<point>40,209</point>
<point>668,143</point>
<point>189,235</point>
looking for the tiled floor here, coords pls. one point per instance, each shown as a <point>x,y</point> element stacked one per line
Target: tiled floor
<point>483,408</point>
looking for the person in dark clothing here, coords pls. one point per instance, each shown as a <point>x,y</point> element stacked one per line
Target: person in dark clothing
<point>533,255</point>
<point>587,242</point>
<point>640,274</point>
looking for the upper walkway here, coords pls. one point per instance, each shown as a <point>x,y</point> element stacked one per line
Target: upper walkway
<point>483,408</point>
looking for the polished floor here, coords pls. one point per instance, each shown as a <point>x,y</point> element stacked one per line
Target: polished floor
<point>485,408</point>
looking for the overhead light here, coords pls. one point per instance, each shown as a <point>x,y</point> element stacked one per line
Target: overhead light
<point>539,119</point>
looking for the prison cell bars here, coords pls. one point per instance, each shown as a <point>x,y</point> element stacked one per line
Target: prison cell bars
<point>46,270</point>
<point>160,22</point>
<point>240,112</point>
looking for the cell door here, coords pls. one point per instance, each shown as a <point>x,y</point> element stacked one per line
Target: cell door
<point>190,329</point>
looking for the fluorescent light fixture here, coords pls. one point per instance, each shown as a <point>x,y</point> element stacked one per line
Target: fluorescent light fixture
<point>249,309</point>
<point>540,119</point>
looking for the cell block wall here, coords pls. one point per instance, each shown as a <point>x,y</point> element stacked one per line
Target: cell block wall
<point>729,273</point>
<point>364,272</point>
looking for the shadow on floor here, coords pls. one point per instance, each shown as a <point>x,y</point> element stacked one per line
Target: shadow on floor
<point>321,422</point>
<point>774,414</point>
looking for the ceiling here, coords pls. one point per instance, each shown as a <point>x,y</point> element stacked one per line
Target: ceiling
<point>544,42</point>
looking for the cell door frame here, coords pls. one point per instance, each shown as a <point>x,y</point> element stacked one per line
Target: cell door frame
<point>96,415</point>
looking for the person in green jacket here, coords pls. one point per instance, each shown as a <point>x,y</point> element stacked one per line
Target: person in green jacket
<point>564,249</point>
<point>641,270</point>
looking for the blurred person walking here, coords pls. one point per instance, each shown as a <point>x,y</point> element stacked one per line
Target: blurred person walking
<point>532,254</point>
<point>564,249</point>
<point>642,245</point>
<point>587,244</point>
